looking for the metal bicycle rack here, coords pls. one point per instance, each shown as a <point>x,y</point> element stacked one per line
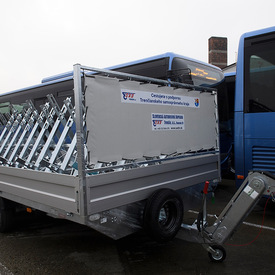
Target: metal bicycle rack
<point>40,141</point>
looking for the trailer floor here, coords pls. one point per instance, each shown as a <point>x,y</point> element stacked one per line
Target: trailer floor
<point>41,245</point>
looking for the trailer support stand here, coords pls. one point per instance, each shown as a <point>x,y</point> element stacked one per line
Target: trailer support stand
<point>242,203</point>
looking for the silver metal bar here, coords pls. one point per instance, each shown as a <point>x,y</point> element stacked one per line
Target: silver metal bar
<point>38,123</point>
<point>8,126</point>
<point>11,131</point>
<point>71,149</point>
<point>71,110</point>
<point>61,139</point>
<point>3,119</point>
<point>50,138</point>
<point>57,111</point>
<point>12,142</point>
<point>15,136</point>
<point>26,130</point>
<point>68,154</point>
<point>30,137</point>
<point>3,133</point>
<point>72,145</point>
<point>146,79</point>
<point>18,144</point>
<point>78,95</point>
<point>54,104</point>
<point>45,127</point>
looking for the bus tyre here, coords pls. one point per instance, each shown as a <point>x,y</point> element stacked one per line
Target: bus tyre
<point>220,254</point>
<point>6,216</point>
<point>163,215</point>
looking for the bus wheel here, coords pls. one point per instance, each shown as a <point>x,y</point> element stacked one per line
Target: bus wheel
<point>6,216</point>
<point>163,215</point>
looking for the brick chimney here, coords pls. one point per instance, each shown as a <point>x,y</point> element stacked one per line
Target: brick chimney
<point>217,51</point>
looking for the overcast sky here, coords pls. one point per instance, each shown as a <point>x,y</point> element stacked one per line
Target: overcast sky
<point>40,38</point>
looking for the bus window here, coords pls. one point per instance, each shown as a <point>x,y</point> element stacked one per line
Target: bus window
<point>201,75</point>
<point>156,68</point>
<point>226,97</point>
<point>259,76</point>
<point>230,84</point>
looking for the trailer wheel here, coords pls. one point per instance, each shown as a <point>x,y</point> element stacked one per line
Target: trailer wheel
<point>6,216</point>
<point>163,215</point>
<point>220,254</point>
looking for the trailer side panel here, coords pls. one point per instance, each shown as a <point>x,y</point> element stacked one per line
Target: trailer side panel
<point>114,189</point>
<point>54,190</point>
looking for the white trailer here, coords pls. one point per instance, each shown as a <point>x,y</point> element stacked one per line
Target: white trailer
<point>108,150</point>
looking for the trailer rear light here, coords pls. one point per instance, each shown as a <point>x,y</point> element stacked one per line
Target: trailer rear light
<point>240,177</point>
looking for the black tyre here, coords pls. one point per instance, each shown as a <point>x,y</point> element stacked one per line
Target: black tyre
<point>6,215</point>
<point>220,254</point>
<point>163,215</point>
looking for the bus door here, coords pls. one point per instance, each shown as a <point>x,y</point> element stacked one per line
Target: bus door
<point>259,103</point>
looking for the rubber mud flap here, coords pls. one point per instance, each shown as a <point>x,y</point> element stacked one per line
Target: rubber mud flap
<point>6,216</point>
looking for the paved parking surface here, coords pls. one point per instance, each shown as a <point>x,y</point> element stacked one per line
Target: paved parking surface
<point>42,245</point>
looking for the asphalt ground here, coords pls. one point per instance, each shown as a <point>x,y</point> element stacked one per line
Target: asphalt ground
<point>43,245</point>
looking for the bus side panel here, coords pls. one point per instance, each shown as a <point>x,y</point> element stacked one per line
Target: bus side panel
<point>259,142</point>
<point>238,118</point>
<point>239,147</point>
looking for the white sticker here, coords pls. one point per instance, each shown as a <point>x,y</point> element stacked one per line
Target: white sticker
<point>103,220</point>
<point>251,192</point>
<point>142,97</point>
<point>164,122</point>
<point>254,195</point>
<point>248,190</point>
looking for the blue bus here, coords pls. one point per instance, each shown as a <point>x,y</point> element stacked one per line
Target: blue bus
<point>254,135</point>
<point>246,105</point>
<point>165,66</point>
<point>189,71</point>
